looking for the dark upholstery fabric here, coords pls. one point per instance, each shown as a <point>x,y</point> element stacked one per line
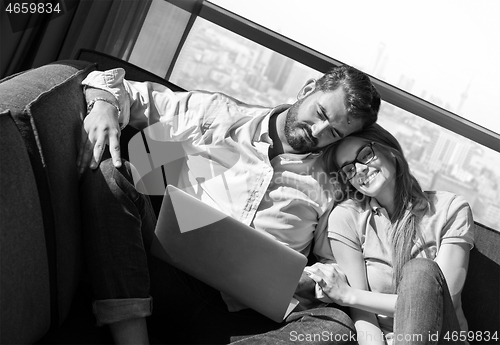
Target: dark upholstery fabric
<point>25,295</point>
<point>47,107</point>
<point>58,115</point>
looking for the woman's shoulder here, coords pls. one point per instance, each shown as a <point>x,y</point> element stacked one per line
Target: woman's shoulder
<point>350,213</point>
<point>449,206</point>
<point>445,199</point>
<point>347,222</point>
<point>451,214</point>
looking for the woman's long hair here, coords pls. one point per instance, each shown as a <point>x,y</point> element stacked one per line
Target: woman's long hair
<point>409,199</point>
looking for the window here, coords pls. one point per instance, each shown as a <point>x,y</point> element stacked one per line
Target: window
<point>442,51</point>
<point>216,59</point>
<point>159,37</point>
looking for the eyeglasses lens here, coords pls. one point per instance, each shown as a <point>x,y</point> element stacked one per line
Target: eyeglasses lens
<point>365,156</point>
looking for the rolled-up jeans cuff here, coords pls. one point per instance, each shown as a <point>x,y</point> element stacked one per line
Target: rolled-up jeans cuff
<point>108,311</point>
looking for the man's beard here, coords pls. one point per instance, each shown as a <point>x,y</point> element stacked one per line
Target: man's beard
<point>294,131</point>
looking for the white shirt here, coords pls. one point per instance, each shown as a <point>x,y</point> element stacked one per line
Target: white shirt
<point>226,163</point>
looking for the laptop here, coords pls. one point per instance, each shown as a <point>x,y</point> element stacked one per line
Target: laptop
<point>246,264</point>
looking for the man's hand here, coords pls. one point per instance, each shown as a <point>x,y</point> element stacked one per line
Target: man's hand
<point>306,287</point>
<point>100,128</point>
<point>332,281</point>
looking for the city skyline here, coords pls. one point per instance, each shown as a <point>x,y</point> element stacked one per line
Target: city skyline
<point>445,46</point>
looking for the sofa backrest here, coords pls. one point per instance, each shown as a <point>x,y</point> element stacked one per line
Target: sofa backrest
<point>25,288</point>
<point>42,110</point>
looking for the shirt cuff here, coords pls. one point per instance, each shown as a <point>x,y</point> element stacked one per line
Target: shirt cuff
<point>112,81</point>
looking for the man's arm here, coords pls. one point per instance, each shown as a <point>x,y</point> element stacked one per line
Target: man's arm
<point>179,115</point>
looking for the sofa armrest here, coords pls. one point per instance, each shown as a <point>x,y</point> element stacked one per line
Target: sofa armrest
<point>46,107</point>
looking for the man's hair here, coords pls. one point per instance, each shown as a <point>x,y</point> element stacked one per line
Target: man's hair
<point>362,99</point>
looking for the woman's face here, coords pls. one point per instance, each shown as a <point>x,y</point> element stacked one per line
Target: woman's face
<point>374,167</point>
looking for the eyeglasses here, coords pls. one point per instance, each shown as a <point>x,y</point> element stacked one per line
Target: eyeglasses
<point>365,155</point>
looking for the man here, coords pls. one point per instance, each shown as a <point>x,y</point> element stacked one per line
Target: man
<point>264,172</point>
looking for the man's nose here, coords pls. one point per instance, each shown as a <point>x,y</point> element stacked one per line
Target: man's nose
<point>319,127</point>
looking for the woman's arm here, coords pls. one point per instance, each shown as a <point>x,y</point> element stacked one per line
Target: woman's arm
<point>352,263</point>
<point>334,284</point>
<point>453,254</point>
<point>453,259</point>
<point>358,297</point>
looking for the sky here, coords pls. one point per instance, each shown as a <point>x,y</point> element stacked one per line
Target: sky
<point>447,47</point>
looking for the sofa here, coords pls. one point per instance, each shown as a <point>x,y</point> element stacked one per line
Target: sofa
<point>44,291</point>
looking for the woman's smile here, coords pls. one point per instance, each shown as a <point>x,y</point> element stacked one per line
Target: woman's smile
<point>367,179</point>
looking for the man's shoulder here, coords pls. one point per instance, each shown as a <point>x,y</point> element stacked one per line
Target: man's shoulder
<point>229,99</point>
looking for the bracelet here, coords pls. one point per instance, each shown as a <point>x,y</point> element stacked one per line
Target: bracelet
<point>90,105</point>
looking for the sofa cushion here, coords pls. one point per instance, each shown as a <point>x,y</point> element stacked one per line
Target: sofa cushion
<point>48,106</point>
<point>25,311</point>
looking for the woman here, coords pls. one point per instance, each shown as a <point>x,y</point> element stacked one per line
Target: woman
<point>404,251</point>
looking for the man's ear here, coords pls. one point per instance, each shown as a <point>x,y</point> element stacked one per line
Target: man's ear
<point>307,89</point>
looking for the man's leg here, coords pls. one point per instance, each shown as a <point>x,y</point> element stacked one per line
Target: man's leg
<point>326,325</point>
<point>424,310</point>
<point>118,228</point>
<point>202,317</point>
<point>117,224</point>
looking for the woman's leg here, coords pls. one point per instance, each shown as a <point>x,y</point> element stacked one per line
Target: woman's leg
<point>424,310</point>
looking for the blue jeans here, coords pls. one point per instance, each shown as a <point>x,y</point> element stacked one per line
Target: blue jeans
<point>327,325</point>
<point>118,229</point>
<point>424,310</point>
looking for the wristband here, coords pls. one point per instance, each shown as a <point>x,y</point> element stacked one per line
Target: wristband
<point>90,105</point>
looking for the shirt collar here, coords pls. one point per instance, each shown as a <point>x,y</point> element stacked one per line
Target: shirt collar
<point>263,134</point>
<point>418,210</point>
<point>375,206</point>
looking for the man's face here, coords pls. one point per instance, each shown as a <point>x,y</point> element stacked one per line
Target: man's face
<point>318,119</point>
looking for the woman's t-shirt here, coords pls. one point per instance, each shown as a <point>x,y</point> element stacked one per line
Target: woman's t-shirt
<point>365,227</point>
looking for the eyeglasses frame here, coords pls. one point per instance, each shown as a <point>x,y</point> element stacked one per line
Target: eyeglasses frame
<point>370,145</point>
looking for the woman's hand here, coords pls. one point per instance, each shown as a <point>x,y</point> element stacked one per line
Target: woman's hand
<point>332,281</point>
